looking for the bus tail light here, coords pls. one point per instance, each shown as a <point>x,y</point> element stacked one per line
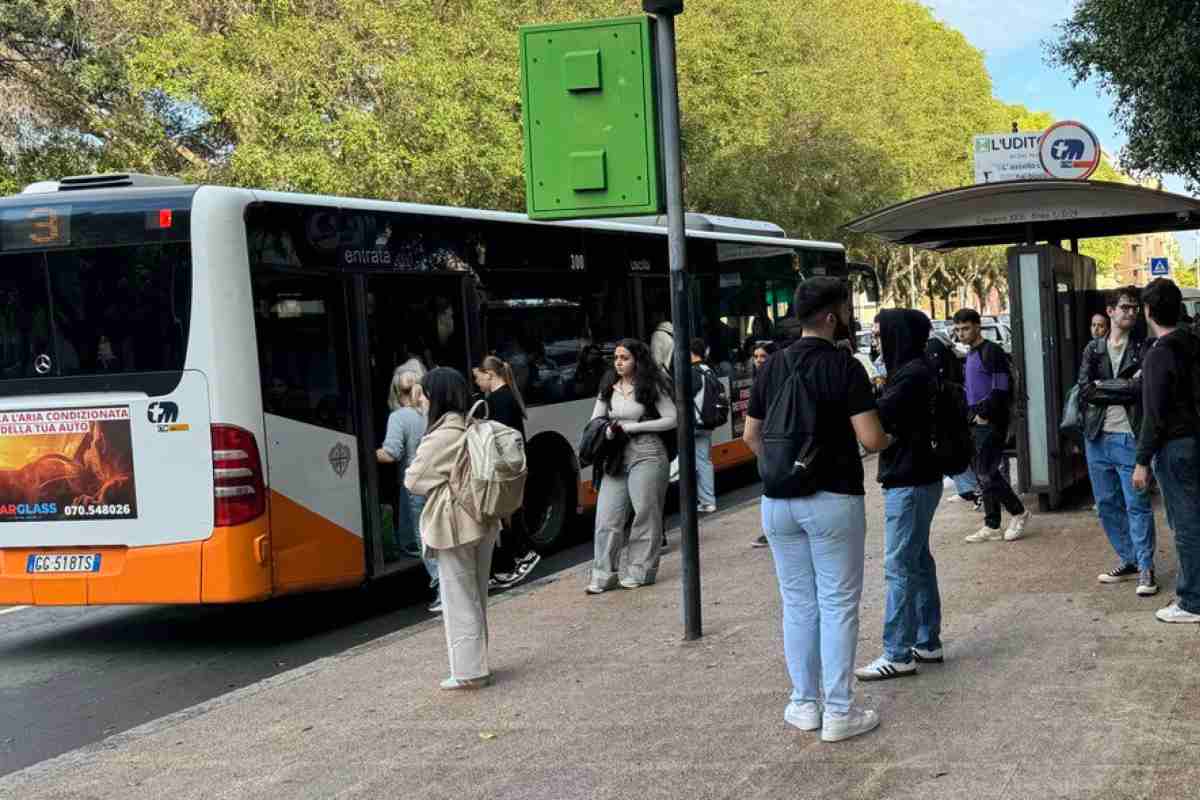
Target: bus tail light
<point>239,492</point>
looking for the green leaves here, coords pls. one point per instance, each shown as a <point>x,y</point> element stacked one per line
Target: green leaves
<point>1147,54</point>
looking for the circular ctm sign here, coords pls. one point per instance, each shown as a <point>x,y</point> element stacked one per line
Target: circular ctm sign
<point>1069,150</point>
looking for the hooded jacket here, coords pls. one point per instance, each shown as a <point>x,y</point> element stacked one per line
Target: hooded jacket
<point>905,408</point>
<point>444,523</point>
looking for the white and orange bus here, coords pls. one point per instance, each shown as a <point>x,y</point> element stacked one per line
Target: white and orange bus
<point>193,380</point>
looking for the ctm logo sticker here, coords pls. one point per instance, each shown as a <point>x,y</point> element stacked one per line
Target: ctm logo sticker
<point>162,412</point>
<point>1069,150</point>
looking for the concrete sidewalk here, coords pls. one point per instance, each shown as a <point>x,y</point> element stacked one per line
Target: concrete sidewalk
<point>1054,687</point>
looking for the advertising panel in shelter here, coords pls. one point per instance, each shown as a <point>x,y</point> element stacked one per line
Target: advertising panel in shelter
<point>66,464</point>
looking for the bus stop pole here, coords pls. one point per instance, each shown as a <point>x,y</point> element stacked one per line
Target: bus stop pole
<point>680,312</point>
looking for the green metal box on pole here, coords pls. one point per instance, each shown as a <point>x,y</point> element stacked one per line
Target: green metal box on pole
<point>591,119</point>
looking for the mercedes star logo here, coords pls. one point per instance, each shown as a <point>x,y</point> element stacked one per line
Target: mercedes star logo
<point>42,364</point>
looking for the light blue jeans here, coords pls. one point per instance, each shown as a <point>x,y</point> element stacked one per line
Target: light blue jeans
<point>706,493</point>
<point>913,614</point>
<point>408,528</point>
<point>817,543</point>
<point>1125,513</point>
<point>965,482</point>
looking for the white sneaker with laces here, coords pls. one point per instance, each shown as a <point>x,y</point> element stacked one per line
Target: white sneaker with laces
<point>984,534</point>
<point>805,716</point>
<point>836,727</point>
<point>1016,526</point>
<point>1173,613</point>
<point>882,669</point>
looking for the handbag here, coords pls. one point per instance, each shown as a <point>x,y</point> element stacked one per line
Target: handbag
<point>1072,417</point>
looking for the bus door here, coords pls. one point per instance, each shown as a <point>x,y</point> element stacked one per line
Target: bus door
<point>407,321</point>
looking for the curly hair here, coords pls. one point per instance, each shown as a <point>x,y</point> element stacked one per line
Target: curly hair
<point>649,381</point>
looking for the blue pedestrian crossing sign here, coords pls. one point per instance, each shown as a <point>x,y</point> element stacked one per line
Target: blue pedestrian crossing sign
<point>1159,267</point>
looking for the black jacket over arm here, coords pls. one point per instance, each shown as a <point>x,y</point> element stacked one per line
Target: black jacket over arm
<point>1097,366</point>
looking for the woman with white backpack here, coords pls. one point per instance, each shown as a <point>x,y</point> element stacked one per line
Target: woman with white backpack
<point>462,545</point>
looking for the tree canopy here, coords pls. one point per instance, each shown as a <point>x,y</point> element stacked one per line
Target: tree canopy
<point>1147,55</point>
<point>806,114</point>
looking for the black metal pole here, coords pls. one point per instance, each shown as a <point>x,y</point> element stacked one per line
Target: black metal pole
<point>681,315</point>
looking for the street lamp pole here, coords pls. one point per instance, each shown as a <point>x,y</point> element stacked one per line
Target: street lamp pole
<point>664,32</point>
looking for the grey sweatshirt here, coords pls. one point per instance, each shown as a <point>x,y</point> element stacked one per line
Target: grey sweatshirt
<point>405,428</point>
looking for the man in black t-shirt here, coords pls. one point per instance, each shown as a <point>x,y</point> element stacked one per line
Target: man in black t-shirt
<point>817,540</point>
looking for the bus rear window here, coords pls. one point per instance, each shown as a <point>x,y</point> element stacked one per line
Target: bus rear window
<point>77,302</point>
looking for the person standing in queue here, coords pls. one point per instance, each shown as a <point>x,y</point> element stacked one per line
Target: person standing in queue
<point>912,488</point>
<point>513,558</point>
<point>989,389</point>
<point>1110,443</point>
<point>636,399</point>
<point>462,546</point>
<point>706,493</point>
<point>817,540</point>
<point>1167,441</point>
<point>1099,326</point>
<point>405,427</point>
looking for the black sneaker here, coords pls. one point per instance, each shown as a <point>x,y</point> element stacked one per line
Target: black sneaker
<point>761,541</point>
<point>1125,572</point>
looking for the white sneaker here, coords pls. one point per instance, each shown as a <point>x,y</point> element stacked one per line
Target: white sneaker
<point>1016,526</point>
<point>836,727</point>
<point>984,534</point>
<point>1173,613</point>
<point>805,716</point>
<point>928,656</point>
<point>881,669</point>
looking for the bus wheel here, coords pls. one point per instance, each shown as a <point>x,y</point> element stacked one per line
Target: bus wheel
<point>549,506</point>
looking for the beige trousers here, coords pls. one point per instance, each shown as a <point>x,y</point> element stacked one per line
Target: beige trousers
<point>463,586</point>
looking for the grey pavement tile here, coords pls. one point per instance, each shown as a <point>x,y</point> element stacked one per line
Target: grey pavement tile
<point>1054,781</point>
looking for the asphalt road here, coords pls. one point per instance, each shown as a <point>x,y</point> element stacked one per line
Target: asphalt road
<point>73,676</point>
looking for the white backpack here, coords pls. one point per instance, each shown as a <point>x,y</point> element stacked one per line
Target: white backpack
<point>489,474</point>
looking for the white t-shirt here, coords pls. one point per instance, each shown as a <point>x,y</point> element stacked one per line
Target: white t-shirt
<point>1115,418</point>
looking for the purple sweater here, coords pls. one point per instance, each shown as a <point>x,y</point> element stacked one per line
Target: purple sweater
<point>988,378</point>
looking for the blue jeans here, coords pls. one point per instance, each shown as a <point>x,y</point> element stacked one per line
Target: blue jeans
<point>1125,513</point>
<point>1177,467</point>
<point>913,614</point>
<point>965,483</point>
<point>408,528</point>
<point>706,493</point>
<point>817,543</point>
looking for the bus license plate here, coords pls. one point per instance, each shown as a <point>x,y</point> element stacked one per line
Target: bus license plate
<point>63,562</point>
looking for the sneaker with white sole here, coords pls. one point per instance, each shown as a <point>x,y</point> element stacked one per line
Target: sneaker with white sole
<point>928,656</point>
<point>836,727</point>
<point>1125,572</point>
<point>984,534</point>
<point>805,716</point>
<point>1016,526</point>
<point>1173,613</point>
<point>883,669</point>
<point>1147,586</point>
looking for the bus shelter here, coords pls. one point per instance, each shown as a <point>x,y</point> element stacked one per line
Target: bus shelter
<point>1051,288</point>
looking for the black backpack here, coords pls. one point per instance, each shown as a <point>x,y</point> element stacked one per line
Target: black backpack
<point>953,447</point>
<point>788,463</point>
<point>714,403</point>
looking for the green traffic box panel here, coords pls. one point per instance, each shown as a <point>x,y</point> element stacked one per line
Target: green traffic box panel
<point>591,119</point>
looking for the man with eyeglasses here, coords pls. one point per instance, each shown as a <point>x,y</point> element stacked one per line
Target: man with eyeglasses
<point>1112,419</point>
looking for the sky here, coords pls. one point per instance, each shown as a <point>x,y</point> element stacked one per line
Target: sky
<point>1012,37</point>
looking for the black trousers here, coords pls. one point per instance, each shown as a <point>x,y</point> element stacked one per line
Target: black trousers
<point>995,488</point>
<point>512,544</point>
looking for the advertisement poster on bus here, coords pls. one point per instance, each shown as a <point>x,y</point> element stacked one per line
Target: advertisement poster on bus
<point>740,393</point>
<point>66,464</point>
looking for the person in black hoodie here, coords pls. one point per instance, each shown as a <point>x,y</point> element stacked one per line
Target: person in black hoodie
<point>912,488</point>
<point>1170,426</point>
<point>513,558</point>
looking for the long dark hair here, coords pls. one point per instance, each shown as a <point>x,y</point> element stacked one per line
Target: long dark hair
<point>648,379</point>
<point>447,392</point>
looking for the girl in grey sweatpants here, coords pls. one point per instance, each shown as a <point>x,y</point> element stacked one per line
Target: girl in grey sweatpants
<point>634,396</point>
